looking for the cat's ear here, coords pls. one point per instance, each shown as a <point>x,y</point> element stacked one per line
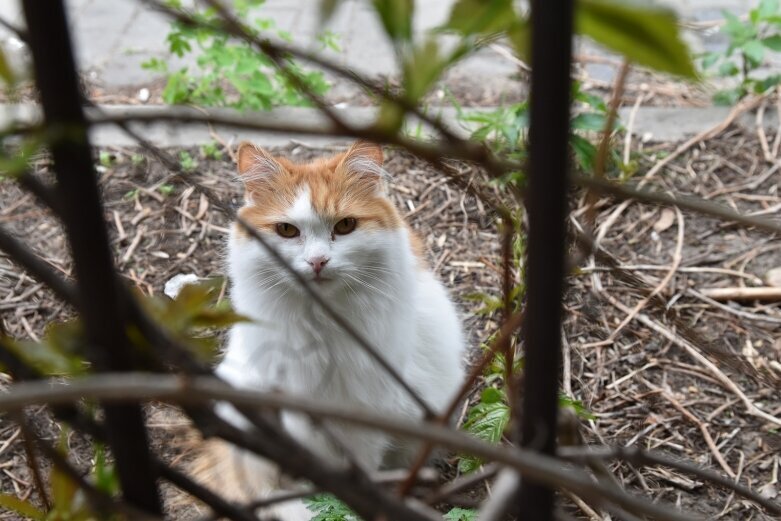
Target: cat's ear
<point>256,164</point>
<point>364,160</point>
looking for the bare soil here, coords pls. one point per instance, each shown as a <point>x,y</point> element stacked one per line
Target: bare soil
<point>642,388</point>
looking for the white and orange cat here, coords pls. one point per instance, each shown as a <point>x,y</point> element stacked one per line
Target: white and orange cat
<point>332,220</point>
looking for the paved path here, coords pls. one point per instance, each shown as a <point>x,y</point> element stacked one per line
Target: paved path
<point>114,37</point>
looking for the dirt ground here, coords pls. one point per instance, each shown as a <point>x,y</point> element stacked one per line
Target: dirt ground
<point>642,386</point>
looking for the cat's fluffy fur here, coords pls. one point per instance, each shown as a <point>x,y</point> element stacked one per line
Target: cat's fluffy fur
<point>375,277</point>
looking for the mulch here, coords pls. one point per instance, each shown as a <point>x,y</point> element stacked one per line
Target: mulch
<point>642,387</point>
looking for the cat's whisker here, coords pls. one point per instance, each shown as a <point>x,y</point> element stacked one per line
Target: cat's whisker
<point>376,278</point>
<point>385,276</point>
<point>270,282</point>
<point>379,270</point>
<point>280,281</point>
<point>374,288</point>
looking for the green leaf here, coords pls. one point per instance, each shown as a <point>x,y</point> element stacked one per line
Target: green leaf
<point>103,473</point>
<point>520,36</point>
<point>592,100</point>
<point>396,17</point>
<point>21,507</point>
<point>709,59</point>
<point>728,69</point>
<point>729,97</point>
<point>738,31</point>
<point>772,42</point>
<point>16,161</point>
<point>763,85</point>
<point>593,121</point>
<point>585,152</point>
<point>63,488</point>
<point>481,16</point>
<point>177,90</point>
<point>490,302</point>
<point>461,514</point>
<point>178,44</point>
<point>329,508</point>
<point>577,406</point>
<point>491,395</point>
<point>646,35</point>
<point>754,51</point>
<point>488,421</point>
<point>422,68</point>
<point>59,353</point>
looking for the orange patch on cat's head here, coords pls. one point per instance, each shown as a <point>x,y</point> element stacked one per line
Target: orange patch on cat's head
<point>345,185</point>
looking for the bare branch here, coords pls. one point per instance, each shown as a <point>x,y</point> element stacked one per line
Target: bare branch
<point>464,482</point>
<point>22,255</point>
<point>128,387</point>
<point>100,502</point>
<point>81,211</point>
<point>681,201</point>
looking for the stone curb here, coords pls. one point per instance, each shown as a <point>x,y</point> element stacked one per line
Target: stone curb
<point>651,124</point>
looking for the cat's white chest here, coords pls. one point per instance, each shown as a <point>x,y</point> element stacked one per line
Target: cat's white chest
<point>311,356</point>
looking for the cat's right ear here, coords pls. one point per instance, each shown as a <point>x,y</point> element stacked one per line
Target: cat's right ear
<point>255,164</point>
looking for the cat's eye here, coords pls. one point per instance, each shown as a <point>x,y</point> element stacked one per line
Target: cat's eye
<point>345,226</point>
<point>287,230</point>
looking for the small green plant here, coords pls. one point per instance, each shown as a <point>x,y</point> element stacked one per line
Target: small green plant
<point>749,41</point>
<point>229,73</point>
<point>327,507</point>
<point>106,158</point>
<point>211,151</point>
<point>329,40</point>
<point>504,130</point>
<point>166,190</point>
<point>137,159</point>
<point>488,419</point>
<point>461,514</point>
<point>187,162</point>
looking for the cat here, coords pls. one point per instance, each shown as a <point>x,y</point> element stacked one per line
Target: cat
<point>332,221</point>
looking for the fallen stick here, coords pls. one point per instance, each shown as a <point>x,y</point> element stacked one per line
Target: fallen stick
<point>764,294</point>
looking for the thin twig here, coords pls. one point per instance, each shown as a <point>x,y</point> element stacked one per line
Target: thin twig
<point>700,425</point>
<point>639,457</point>
<point>660,287</point>
<point>687,203</point>
<point>22,255</point>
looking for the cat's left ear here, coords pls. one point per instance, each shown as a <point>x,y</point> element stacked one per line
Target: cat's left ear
<point>364,160</point>
<point>256,164</point>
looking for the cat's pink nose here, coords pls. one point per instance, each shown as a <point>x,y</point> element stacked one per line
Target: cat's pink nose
<point>318,263</point>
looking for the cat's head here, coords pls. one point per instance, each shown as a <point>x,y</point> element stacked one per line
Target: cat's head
<point>330,219</point>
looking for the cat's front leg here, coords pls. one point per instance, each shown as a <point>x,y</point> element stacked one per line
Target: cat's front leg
<point>338,444</point>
